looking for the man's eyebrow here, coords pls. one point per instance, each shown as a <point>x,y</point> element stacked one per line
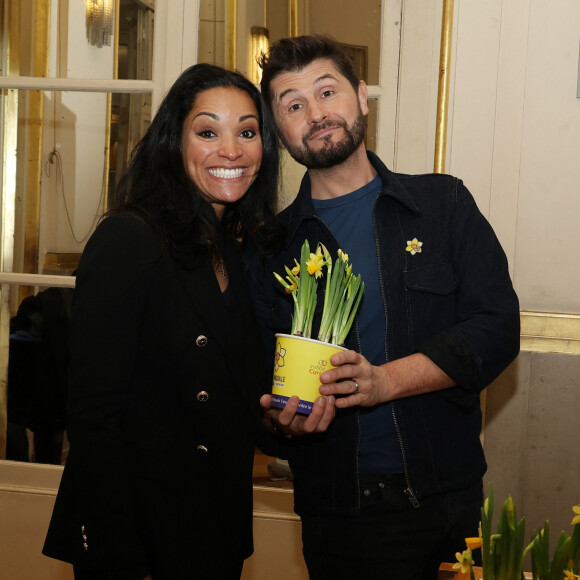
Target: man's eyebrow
<point>320,79</point>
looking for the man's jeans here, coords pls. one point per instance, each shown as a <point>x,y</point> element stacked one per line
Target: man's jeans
<point>391,539</point>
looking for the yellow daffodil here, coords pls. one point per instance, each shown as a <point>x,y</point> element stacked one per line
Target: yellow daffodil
<point>576,519</point>
<point>342,293</point>
<point>296,269</point>
<point>473,543</point>
<point>464,561</point>
<point>414,246</point>
<point>569,575</point>
<point>316,263</point>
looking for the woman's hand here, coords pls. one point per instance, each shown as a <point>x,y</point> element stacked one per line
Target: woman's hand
<point>289,422</point>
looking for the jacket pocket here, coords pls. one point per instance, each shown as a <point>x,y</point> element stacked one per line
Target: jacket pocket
<point>430,300</point>
<point>435,278</point>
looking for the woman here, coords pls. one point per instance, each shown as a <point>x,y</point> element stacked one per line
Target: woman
<point>165,373</point>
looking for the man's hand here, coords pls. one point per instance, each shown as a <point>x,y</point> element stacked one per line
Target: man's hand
<point>288,421</point>
<point>357,382</point>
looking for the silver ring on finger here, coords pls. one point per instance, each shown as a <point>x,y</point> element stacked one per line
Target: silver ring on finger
<point>356,388</point>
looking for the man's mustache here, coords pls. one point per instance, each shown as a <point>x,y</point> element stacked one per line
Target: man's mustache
<point>320,126</point>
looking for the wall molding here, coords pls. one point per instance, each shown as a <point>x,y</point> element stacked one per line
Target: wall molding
<point>550,332</point>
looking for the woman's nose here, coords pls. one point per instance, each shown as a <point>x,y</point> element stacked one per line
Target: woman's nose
<point>230,149</point>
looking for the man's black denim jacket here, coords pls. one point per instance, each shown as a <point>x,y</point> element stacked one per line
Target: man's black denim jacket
<point>453,302</point>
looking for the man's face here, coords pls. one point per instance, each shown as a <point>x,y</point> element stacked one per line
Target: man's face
<point>320,118</point>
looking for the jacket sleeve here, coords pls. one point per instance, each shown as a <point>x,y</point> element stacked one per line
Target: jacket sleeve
<point>108,307</point>
<point>486,335</point>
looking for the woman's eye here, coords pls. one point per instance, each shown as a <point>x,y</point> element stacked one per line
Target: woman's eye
<point>327,93</point>
<point>248,133</point>
<point>206,134</point>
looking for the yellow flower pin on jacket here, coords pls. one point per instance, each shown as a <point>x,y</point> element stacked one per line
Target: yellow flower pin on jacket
<point>414,246</point>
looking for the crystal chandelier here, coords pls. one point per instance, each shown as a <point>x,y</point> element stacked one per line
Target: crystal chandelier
<point>100,18</point>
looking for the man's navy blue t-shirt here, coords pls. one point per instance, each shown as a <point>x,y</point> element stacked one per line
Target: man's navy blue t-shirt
<point>350,218</point>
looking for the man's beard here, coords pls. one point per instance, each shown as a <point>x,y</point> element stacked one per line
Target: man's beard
<point>330,154</point>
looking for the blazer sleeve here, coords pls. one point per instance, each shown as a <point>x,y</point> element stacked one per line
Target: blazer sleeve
<point>109,303</point>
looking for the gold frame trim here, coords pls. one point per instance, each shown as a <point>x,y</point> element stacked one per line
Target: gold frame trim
<point>443,91</point>
<point>34,137</point>
<point>293,17</point>
<point>232,34</point>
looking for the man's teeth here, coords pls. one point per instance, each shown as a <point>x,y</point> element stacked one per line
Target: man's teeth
<point>226,173</point>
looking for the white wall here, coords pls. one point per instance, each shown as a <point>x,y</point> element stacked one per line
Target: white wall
<point>514,129</point>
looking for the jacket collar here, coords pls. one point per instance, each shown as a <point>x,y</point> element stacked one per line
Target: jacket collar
<point>302,208</point>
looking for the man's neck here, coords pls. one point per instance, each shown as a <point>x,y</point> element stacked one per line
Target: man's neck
<point>342,179</point>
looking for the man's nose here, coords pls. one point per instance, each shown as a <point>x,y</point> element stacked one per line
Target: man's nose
<point>316,112</point>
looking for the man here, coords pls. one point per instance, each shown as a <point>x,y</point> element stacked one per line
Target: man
<point>388,467</point>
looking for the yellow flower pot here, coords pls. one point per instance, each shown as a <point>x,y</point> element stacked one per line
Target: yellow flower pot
<point>297,364</point>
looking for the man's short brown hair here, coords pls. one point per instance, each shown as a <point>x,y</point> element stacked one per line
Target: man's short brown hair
<point>296,52</point>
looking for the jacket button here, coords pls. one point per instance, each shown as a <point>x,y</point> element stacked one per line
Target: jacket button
<point>201,340</point>
<point>201,449</point>
<point>202,396</point>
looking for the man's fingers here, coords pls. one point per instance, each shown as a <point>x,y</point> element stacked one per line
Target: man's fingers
<point>352,401</point>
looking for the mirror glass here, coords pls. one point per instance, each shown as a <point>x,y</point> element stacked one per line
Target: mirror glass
<point>66,40</point>
<point>226,28</point>
<point>38,356</point>
<point>63,153</point>
<point>85,141</point>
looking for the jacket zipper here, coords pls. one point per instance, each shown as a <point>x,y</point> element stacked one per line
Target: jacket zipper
<point>357,444</point>
<point>409,490</point>
<point>357,412</point>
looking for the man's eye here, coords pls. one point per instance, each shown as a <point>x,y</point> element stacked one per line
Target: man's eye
<point>327,93</point>
<point>294,107</point>
<point>248,133</point>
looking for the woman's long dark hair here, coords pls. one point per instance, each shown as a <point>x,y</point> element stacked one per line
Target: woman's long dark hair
<point>158,187</point>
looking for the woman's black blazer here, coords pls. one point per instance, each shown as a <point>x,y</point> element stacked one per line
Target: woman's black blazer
<point>164,385</point>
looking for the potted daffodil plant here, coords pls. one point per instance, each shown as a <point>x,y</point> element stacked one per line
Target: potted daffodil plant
<point>299,358</point>
<point>503,552</point>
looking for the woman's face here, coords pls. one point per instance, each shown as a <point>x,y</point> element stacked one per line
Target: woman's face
<point>222,146</point>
